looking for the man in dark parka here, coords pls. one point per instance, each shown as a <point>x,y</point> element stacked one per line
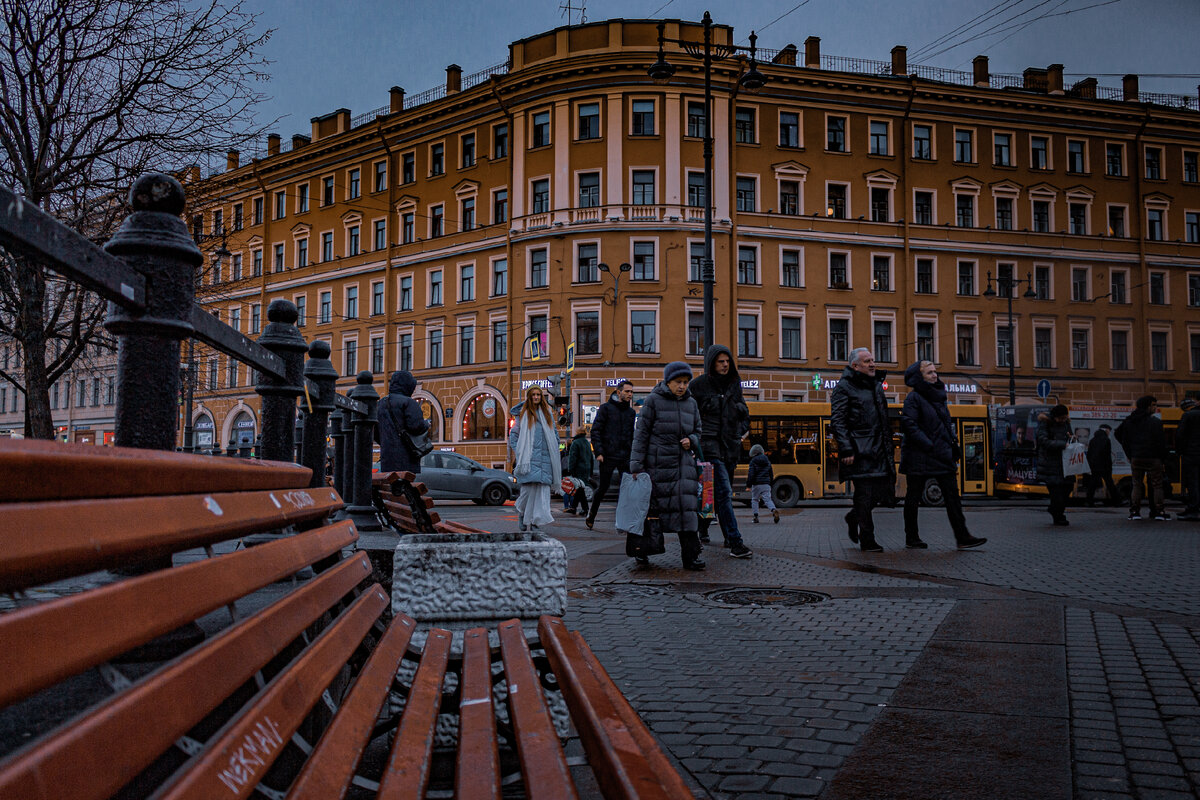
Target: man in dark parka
<point>1100,463</point>
<point>396,411</point>
<point>1053,435</point>
<point>612,438</point>
<point>860,424</point>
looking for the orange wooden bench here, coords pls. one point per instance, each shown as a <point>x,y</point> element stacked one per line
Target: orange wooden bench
<point>291,686</point>
<point>404,501</point>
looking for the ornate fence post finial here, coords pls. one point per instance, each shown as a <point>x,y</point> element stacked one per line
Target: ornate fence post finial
<point>281,337</point>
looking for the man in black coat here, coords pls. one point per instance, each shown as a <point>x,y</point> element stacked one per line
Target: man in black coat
<point>1099,457</point>
<point>612,441</point>
<point>1142,436</point>
<point>726,421</point>
<point>1187,444</point>
<point>858,415</point>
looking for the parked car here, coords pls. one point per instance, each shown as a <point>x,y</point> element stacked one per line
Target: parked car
<point>452,476</point>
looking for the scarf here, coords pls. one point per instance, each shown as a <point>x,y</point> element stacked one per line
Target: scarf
<point>525,439</point>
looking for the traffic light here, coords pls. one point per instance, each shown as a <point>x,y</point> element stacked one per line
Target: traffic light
<point>564,416</point>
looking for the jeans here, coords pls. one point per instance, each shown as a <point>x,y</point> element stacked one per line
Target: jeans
<point>1152,470</point>
<point>867,495</point>
<point>1059,492</point>
<point>948,483</point>
<point>723,504</point>
<point>606,474</point>
<point>761,494</point>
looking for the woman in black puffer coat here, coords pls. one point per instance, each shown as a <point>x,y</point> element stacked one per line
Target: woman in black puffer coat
<point>665,440</point>
<point>930,451</point>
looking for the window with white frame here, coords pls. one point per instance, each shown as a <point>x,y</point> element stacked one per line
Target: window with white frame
<point>966,278</point>
<point>377,354</point>
<point>836,134</point>
<point>881,204</point>
<point>380,242</point>
<point>642,183</point>
<point>747,265</point>
<point>1193,290</point>
<point>1004,344</point>
<point>435,287</point>
<point>466,283</point>
<point>839,270</point>
<point>466,343</point>
<point>1081,348</point>
<point>880,135</point>
<point>747,193</point>
<point>589,189</point>
<point>881,273</point>
<point>695,331</point>
<point>1039,152</point>
<point>966,340</point>
<point>350,356</point>
<point>1081,284</point>
<point>587,256</point>
<point>588,121</point>
<point>926,276</point>
<point>745,122</point>
<point>1116,221</point>
<point>539,268</point>
<point>1043,347</point>
<point>1042,219</point>
<point>883,340</point>
<point>643,330</point>
<point>923,208</point>
<point>1158,288</point>
<point>1155,224</point>
<point>539,195</point>
<point>1118,347</point>
<point>922,142</point>
<point>791,335</point>
<point>499,277</point>
<point>377,298</point>
<point>789,197</point>
<point>1077,156</point>
<point>1118,284</point>
<point>964,210</point>
<point>747,333</point>
<point>964,146</point>
<point>499,340</point>
<point>789,129</point>
<point>1114,159</point>
<point>644,262</point>
<point>325,308</point>
<point>351,302</point>
<point>836,200</point>
<point>587,331</point>
<point>437,221</point>
<point>405,295</point>
<point>791,268</point>
<point>404,351</point>
<point>642,118</point>
<point>467,150</point>
<point>1002,149</point>
<point>434,345</point>
<point>1004,213</point>
<point>839,338</point>
<point>926,339</point>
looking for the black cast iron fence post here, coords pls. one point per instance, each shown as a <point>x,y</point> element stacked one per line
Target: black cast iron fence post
<point>361,510</point>
<point>320,371</point>
<point>281,337</point>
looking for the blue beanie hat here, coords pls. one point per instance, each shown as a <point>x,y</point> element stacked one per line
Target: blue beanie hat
<point>676,369</point>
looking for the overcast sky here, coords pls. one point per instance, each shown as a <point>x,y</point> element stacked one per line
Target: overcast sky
<point>348,54</point>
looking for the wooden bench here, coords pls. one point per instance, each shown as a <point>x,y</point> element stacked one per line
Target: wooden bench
<point>289,693</point>
<point>404,501</point>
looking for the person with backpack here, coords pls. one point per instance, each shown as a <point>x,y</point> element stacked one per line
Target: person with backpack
<point>400,419</point>
<point>758,481</point>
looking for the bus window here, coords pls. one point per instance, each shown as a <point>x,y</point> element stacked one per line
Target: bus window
<point>974,464</point>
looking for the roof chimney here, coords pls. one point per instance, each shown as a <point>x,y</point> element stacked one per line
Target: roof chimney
<point>231,160</point>
<point>453,79</point>
<point>1129,88</point>
<point>1034,79</point>
<point>982,75</point>
<point>786,56</point>
<point>1054,79</point>
<point>899,60</point>
<point>272,144</point>
<point>397,99</point>
<point>1085,88</point>
<point>812,52</point>
<point>299,140</point>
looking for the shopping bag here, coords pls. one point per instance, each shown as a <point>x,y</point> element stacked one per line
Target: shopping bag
<point>650,543</point>
<point>568,486</point>
<point>707,507</point>
<point>634,502</point>
<point>1074,459</point>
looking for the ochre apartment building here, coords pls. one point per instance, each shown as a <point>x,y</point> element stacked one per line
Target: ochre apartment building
<point>856,203</point>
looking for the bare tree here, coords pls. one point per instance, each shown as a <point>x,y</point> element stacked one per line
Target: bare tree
<point>94,93</point>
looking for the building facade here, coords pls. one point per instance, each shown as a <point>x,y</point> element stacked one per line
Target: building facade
<point>82,402</point>
<point>559,198</point>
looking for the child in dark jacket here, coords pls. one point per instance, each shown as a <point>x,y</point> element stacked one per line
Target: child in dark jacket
<point>758,481</point>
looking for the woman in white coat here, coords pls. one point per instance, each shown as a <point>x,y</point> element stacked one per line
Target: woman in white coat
<point>533,443</point>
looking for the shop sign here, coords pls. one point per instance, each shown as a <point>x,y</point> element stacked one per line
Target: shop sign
<point>614,381</point>
<point>749,384</point>
<point>542,382</point>
<point>969,387</point>
<point>489,408</point>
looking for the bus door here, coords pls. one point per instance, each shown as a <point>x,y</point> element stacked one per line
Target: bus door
<point>831,483</point>
<point>973,469</point>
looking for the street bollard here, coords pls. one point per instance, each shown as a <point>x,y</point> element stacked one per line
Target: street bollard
<point>337,432</point>
<point>320,371</point>
<point>361,510</point>
<point>281,337</point>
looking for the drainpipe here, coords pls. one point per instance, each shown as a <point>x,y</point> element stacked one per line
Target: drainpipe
<point>1137,229</point>
<point>494,85</point>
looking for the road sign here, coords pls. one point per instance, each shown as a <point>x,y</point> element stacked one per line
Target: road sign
<point>535,349</point>
<point>570,358</point>
<point>1043,388</point>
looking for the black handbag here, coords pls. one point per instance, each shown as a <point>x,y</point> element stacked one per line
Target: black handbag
<point>651,542</point>
<point>419,444</point>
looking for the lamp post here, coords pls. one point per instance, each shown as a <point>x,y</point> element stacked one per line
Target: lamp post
<point>220,254</point>
<point>661,71</point>
<point>1007,284</point>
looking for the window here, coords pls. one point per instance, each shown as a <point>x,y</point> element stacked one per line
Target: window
<point>747,335</point>
<point>643,262</point>
<point>964,210</point>
<point>964,146</point>
<point>237,216</point>
<point>835,204</point>
<point>466,283</point>
<point>881,274</point>
<point>236,266</point>
<point>500,340</point>
<point>1079,284</point>
<point>280,205</point>
<point>500,206</point>
<point>406,293</point>
<point>437,221</point>
<point>924,276</point>
<point>405,351</point>
<point>746,189</point>
<point>538,327</point>
<point>500,141</point>
<point>695,189</point>
<point>1154,224</point>
<point>589,189</point>
<point>302,252</point>
<point>380,234</point>
<point>643,117</point>
<point>747,266</point>
<point>1041,216</point>
<point>1080,355</point>
<point>839,339</point>
<point>437,159</point>
<point>353,240</point>
<point>408,228</point>
<point>1158,288</point>
<point>468,150</point>
<point>695,333</point>
<point>839,272</point>
<point>466,344</point>
<point>1116,286</point>
<point>923,208</point>
<point>643,187</point>
<point>587,333</point>
<point>923,142</point>
<point>1116,221</point>
<point>882,339</point>
<point>1039,152</point>
<point>966,278</point>
<point>789,197</point>
<point>966,345</point>
<point>1114,159</point>
<point>1076,156</point>
<point>380,180</point>
<point>585,265</point>
<point>695,119</point>
<point>499,277</point>
<point>327,191</point>
<point>1043,348</point>
<point>377,355</point>
<point>1119,348</point>
<point>541,129</point>
<point>1191,172</point>
<point>408,168</point>
<point>352,302</point>
<point>1193,295</point>
<point>1003,347</point>
<point>258,211</point>
<point>219,215</point>
<point>327,246</point>
<point>790,269</point>
<point>835,134</point>
<point>466,213</point>
<point>435,287</point>
<point>435,348</point>
<point>541,196</point>
<point>279,258</point>
<point>325,314</point>
<point>642,330</point>
<point>1002,149</point>
<point>354,188</point>
<point>256,258</point>
<point>926,341</point>
<point>1154,163</point>
<point>231,375</point>
<point>1004,213</point>
<point>589,120</point>
<point>879,138</point>
<point>1193,346</point>
<point>1077,213</point>
<point>376,298</point>
<point>743,126</point>
<point>791,337</point>
<point>1191,227</point>
<point>539,270</point>
<point>1041,282</point>
<point>789,129</point>
<point>881,204</point>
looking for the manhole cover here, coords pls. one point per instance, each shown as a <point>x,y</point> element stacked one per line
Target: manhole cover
<point>766,597</point>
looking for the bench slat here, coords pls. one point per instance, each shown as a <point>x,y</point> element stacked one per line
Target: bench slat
<point>478,769</point>
<point>618,755</point>
<point>59,638</point>
<point>38,470</point>
<point>543,765</point>
<point>98,753</point>
<point>407,773</point>
<point>328,772</point>
<point>233,765</point>
<point>53,544</point>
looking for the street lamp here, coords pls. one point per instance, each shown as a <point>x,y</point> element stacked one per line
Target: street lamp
<point>661,71</point>
<point>1007,284</point>
<point>220,254</point>
<point>616,276</point>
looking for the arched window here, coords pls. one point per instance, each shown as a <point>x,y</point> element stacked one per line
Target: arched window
<point>483,418</point>
<point>243,429</point>
<point>431,416</point>
<point>203,431</point>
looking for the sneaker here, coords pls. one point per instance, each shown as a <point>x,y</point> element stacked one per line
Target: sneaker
<point>1135,515</point>
<point>704,537</point>
<point>695,566</point>
<point>873,547</point>
<point>916,544</point>
<point>570,511</point>
<point>1162,515</point>
<point>1062,521</point>
<point>740,551</point>
<point>642,561</point>
<point>756,517</point>
<point>971,541</point>
<point>775,514</point>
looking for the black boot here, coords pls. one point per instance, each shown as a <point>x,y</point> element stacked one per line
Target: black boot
<point>852,526</point>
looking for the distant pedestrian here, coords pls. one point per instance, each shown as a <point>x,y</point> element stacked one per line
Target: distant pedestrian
<point>1053,435</point>
<point>612,439</point>
<point>398,414</point>
<point>1142,436</point>
<point>1187,445</point>
<point>930,451</point>
<point>580,463</point>
<point>533,444</point>
<point>664,445</point>
<point>726,421</point>
<point>758,481</point>
<point>859,418</point>
<point>1100,465</point>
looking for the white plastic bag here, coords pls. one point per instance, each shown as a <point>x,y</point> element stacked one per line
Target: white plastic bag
<point>1074,459</point>
<point>634,502</point>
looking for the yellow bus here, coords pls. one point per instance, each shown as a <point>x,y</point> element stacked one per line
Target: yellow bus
<point>798,439</point>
